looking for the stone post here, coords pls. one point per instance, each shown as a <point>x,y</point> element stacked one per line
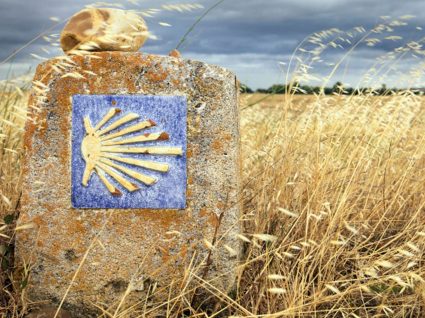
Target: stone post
<point>105,232</point>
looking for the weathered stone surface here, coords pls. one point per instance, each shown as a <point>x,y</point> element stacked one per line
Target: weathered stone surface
<point>48,312</point>
<point>138,246</point>
<point>104,30</point>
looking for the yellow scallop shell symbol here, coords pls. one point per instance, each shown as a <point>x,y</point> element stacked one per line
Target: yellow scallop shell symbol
<point>101,147</point>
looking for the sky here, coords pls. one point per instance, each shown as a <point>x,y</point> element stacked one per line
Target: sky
<point>253,38</point>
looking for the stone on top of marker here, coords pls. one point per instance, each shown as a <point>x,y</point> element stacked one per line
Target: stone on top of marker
<point>98,29</point>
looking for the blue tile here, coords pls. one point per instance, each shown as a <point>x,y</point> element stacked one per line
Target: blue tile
<point>169,113</point>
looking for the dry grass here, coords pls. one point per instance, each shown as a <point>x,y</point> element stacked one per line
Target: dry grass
<point>12,120</point>
<point>340,182</point>
<point>334,188</point>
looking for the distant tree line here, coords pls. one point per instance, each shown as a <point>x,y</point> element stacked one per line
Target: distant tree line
<point>337,88</point>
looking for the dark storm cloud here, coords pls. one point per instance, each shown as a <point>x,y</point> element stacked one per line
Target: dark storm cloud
<point>247,36</point>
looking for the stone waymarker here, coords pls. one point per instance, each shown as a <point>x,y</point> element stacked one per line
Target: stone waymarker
<point>135,159</point>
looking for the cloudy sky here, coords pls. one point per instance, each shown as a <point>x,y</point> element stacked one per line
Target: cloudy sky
<point>253,38</point>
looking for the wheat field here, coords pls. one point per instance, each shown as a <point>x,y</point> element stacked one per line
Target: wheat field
<point>333,218</point>
<point>339,182</point>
